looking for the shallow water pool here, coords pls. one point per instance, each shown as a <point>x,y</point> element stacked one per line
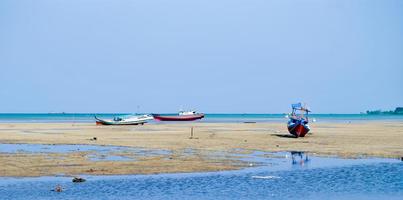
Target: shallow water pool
<point>278,176</point>
<point>95,152</point>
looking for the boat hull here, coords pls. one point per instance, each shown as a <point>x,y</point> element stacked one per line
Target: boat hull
<point>101,122</point>
<point>298,129</point>
<point>110,122</point>
<point>178,117</point>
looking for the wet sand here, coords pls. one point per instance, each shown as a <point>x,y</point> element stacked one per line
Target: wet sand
<point>377,139</point>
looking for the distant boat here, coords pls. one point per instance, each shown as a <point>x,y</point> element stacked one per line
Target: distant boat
<point>182,116</point>
<point>131,120</point>
<point>298,123</point>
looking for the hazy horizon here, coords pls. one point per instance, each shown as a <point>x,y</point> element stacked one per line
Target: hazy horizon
<point>100,56</point>
<point>171,112</point>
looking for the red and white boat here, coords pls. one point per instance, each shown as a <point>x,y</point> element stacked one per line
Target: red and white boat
<point>182,116</point>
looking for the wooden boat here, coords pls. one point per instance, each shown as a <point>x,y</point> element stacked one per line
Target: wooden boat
<point>132,120</point>
<point>298,123</point>
<point>182,116</point>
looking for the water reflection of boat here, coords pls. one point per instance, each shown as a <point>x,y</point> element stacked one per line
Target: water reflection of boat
<point>298,123</point>
<point>131,120</point>
<point>182,116</point>
<point>298,158</point>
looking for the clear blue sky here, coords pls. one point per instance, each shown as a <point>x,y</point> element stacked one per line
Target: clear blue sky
<point>229,56</point>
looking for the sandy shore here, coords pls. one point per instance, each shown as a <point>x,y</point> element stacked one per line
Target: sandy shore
<point>380,139</point>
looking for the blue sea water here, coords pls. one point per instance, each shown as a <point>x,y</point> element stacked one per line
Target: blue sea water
<point>276,178</point>
<point>89,117</point>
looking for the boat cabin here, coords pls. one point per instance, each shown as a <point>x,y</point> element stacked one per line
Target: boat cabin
<point>299,113</point>
<point>191,112</point>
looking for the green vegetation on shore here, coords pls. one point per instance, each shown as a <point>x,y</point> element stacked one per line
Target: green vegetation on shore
<point>397,111</point>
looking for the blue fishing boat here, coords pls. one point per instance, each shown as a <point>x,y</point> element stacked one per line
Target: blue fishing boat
<point>298,123</point>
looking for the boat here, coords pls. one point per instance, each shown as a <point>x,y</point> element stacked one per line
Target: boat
<point>298,120</point>
<point>182,116</point>
<point>130,120</point>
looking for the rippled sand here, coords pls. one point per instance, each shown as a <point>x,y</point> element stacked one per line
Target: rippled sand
<point>381,139</point>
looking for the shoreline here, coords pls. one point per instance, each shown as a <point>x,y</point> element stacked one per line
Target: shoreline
<point>344,140</point>
<point>213,121</point>
<point>239,169</point>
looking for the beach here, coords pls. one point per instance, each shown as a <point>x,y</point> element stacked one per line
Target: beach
<point>213,147</point>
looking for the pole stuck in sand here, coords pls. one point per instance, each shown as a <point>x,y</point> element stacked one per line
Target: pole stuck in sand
<point>191,133</point>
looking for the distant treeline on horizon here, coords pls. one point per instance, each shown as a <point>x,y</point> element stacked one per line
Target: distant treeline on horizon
<point>397,111</point>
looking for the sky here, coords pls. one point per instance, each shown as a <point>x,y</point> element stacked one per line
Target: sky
<point>227,56</point>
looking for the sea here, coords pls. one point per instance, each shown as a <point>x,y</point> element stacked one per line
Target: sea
<point>209,118</point>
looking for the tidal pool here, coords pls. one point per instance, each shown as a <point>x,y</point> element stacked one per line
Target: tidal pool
<point>96,152</point>
<point>276,176</point>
